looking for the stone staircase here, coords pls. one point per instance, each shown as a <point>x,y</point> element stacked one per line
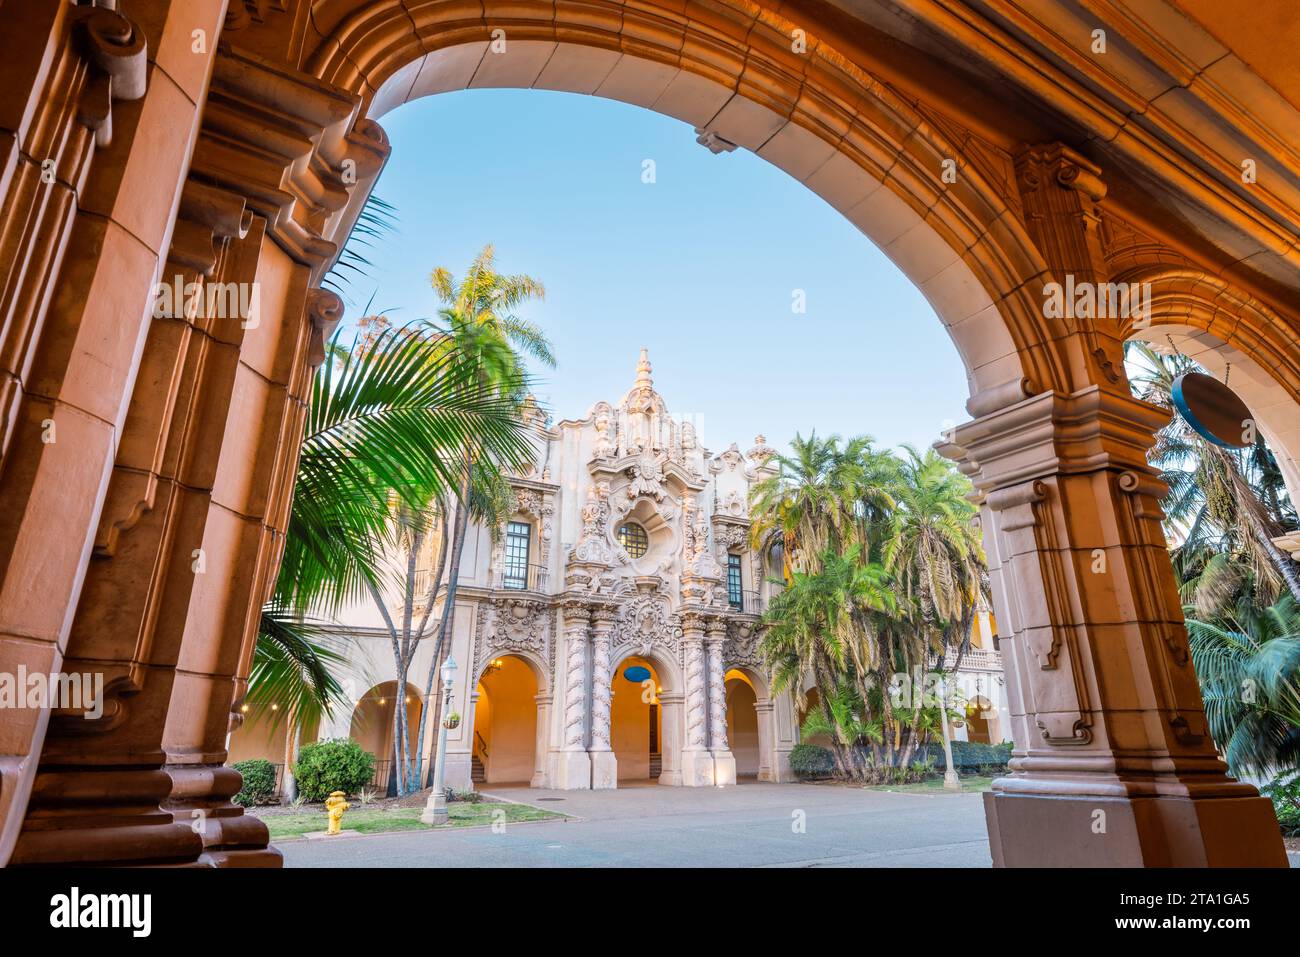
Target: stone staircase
<point>477,773</point>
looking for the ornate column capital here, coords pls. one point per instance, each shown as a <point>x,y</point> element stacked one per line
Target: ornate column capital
<point>1052,434</point>
<point>715,630</point>
<point>1046,163</point>
<point>694,623</point>
<point>603,617</point>
<point>577,613</point>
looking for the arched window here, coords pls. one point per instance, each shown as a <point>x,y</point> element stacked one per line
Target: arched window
<point>633,539</point>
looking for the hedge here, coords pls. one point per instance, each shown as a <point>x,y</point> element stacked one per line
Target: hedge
<point>338,765</point>
<point>259,782</point>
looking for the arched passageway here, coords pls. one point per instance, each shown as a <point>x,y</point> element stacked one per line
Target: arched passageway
<point>256,173</point>
<point>374,727</point>
<point>636,721</point>
<point>743,725</point>
<point>506,747</point>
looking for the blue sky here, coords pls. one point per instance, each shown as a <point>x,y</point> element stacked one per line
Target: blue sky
<point>700,267</point>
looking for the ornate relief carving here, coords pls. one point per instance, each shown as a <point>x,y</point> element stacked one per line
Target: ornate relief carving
<point>647,623</point>
<point>593,545</point>
<point>647,477</point>
<point>742,647</point>
<point>512,624</point>
<point>729,535</point>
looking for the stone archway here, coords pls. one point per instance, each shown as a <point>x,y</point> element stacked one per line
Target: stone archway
<point>248,164</point>
<point>509,722</point>
<point>748,738</point>
<point>646,720</point>
<point>373,727</point>
<point>509,719</point>
<point>636,721</point>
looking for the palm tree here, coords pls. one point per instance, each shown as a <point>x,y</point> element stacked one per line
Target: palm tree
<point>934,553</point>
<point>1248,664</point>
<point>478,316</point>
<point>1224,506</point>
<point>385,424</point>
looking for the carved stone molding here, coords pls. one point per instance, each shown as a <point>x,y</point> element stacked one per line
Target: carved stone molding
<point>325,312</point>
<point>509,624</point>
<point>118,50</point>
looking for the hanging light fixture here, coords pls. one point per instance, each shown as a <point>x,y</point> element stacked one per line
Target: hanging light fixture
<point>1213,410</point>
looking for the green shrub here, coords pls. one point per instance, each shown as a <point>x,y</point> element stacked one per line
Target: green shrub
<point>1285,792</point>
<point>259,782</point>
<point>811,761</point>
<point>326,766</point>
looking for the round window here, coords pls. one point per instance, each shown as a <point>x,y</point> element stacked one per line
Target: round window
<point>633,539</point>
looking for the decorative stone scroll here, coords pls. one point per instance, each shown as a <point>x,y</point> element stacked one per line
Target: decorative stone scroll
<point>116,47</point>
<point>509,624</point>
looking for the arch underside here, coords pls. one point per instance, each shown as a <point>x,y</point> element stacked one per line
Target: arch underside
<point>853,140</point>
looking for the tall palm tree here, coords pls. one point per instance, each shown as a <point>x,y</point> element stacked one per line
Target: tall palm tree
<point>385,425</point>
<point>935,555</point>
<point>826,496</point>
<point>479,315</point>
<point>1248,664</point>
<point>1224,506</point>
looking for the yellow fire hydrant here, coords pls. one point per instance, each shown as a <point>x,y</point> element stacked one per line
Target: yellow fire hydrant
<point>335,805</point>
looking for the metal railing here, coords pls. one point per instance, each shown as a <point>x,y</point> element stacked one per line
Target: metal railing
<point>527,578</point>
<point>750,603</point>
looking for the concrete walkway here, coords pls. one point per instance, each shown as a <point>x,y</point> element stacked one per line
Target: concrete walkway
<point>749,825</point>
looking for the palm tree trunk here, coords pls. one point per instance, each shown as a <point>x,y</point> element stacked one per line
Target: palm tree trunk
<point>435,586</point>
<point>453,582</point>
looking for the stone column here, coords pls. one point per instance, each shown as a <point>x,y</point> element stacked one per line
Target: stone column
<point>766,744</point>
<point>96,134</point>
<point>724,763</point>
<point>1113,765</point>
<point>670,738</point>
<point>604,763</point>
<point>543,700</point>
<point>697,761</point>
<point>573,764</point>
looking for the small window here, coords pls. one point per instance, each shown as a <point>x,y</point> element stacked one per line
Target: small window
<point>633,539</point>
<point>518,536</point>
<point>735,596</point>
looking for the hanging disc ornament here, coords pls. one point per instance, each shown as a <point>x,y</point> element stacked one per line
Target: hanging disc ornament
<point>1214,411</point>
<point>636,674</point>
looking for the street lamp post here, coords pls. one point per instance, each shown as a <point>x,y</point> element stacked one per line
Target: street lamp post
<point>435,808</point>
<point>950,781</point>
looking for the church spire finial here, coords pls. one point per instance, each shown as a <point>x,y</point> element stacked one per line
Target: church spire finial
<point>643,379</point>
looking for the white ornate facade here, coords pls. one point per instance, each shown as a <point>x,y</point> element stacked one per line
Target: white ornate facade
<point>628,547</point>
<point>587,599</point>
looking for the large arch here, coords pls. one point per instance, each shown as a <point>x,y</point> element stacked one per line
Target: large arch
<point>670,702</point>
<point>868,152</point>
<point>248,162</point>
<point>508,718</point>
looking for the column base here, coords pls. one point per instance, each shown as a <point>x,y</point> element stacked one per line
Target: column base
<point>697,769</point>
<point>458,771</point>
<point>200,800</point>
<point>604,770</point>
<point>1065,831</point>
<point>724,768</point>
<point>104,817</point>
<point>572,771</point>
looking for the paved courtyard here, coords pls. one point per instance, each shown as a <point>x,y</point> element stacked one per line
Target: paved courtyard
<point>750,825</point>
